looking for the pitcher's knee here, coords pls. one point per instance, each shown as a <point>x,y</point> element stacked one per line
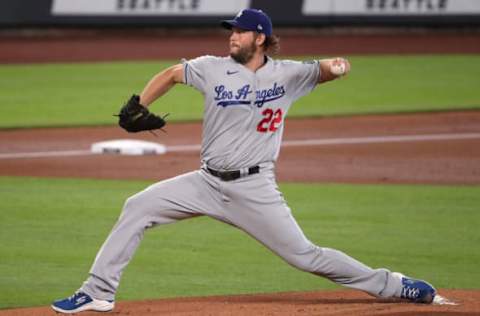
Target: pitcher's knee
<point>156,211</point>
<point>131,204</point>
<point>135,206</point>
<point>301,265</point>
<point>306,261</point>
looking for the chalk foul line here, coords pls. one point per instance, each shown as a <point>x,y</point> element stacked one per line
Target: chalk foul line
<point>285,143</point>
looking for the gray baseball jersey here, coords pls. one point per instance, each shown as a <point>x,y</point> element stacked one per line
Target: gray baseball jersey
<point>245,110</point>
<point>243,125</point>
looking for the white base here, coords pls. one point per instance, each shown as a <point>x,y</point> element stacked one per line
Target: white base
<point>128,147</point>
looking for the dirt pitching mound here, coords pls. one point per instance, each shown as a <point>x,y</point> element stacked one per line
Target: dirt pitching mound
<point>324,303</point>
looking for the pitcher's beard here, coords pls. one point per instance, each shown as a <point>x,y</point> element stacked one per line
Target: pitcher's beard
<point>244,54</point>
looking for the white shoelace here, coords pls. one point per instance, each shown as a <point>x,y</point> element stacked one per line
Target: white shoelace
<point>409,292</point>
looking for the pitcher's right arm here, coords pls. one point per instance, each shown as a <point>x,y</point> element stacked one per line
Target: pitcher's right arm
<point>161,83</point>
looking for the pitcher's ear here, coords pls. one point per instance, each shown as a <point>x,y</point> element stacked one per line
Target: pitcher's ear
<point>261,38</point>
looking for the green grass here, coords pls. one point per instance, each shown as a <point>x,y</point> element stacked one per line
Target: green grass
<point>390,84</point>
<point>51,230</point>
<point>89,93</point>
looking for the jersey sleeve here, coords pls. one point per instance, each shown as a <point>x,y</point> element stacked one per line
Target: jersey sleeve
<point>305,77</point>
<point>195,72</point>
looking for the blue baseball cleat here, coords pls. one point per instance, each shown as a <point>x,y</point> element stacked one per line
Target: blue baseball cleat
<point>417,291</point>
<point>80,302</point>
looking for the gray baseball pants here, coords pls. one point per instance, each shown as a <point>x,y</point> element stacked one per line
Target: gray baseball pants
<point>254,204</point>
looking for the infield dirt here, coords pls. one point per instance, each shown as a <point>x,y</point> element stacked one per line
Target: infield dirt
<point>361,151</point>
<point>326,303</point>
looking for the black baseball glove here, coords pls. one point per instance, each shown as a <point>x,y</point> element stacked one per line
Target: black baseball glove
<point>134,117</point>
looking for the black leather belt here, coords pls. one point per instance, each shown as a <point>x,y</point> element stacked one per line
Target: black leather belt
<point>232,175</point>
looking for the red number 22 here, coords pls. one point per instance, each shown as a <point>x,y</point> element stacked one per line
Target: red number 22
<point>270,121</point>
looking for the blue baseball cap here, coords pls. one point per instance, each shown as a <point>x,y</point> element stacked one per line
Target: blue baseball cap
<point>250,20</point>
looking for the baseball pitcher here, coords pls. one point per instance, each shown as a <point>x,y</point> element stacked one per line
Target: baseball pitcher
<point>247,96</point>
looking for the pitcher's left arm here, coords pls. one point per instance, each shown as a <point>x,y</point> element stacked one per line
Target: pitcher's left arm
<point>333,68</point>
